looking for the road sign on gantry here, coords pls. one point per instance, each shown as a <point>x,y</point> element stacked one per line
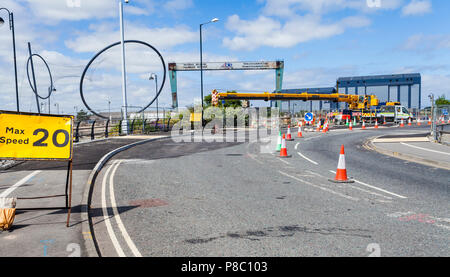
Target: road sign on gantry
<point>29,136</point>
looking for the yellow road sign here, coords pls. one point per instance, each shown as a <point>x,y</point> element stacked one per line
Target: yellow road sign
<point>27,136</point>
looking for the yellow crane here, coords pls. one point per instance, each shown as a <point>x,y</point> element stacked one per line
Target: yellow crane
<point>355,102</point>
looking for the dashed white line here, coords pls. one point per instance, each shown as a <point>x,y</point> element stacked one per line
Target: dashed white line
<point>306,158</point>
<point>376,188</point>
<point>320,187</point>
<point>296,145</point>
<point>286,162</point>
<point>19,183</point>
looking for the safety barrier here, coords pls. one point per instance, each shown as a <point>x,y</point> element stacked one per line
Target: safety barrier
<point>443,136</point>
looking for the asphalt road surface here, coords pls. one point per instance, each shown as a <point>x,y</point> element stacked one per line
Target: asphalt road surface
<point>170,198</point>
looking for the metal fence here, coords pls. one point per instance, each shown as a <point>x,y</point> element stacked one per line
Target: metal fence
<point>97,129</point>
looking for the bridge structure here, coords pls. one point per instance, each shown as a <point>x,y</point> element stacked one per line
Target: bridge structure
<point>278,66</point>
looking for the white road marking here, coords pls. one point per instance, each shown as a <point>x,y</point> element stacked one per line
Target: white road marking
<point>320,187</point>
<point>374,187</point>
<point>253,158</point>
<point>286,162</point>
<point>296,145</point>
<point>109,228</point>
<point>426,149</point>
<point>309,160</point>
<point>116,214</point>
<point>357,188</point>
<point>19,183</point>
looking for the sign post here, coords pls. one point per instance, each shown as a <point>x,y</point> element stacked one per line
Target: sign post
<point>39,137</point>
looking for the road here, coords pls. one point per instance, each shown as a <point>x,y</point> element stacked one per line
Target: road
<point>169,198</point>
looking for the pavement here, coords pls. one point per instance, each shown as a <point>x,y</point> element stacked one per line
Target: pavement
<point>38,233</point>
<point>172,198</point>
<point>413,147</point>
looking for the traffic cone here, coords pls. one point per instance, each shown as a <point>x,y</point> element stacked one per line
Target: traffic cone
<point>299,134</point>
<point>429,121</point>
<point>278,143</point>
<point>341,172</point>
<point>409,122</point>
<point>318,126</point>
<point>418,122</point>
<point>283,151</point>
<point>364,125</point>
<point>376,123</point>
<point>402,124</point>
<point>289,136</point>
<point>350,127</point>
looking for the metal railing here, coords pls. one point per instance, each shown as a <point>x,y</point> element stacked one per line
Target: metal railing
<point>97,129</point>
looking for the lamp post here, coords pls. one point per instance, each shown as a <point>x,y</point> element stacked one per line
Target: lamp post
<point>155,77</point>
<point>11,27</point>
<point>124,78</point>
<point>51,89</point>
<point>201,60</point>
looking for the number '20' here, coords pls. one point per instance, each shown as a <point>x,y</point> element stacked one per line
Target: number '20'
<point>41,142</point>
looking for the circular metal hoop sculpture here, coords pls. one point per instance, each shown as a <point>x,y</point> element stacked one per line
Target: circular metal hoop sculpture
<point>49,73</point>
<point>105,49</point>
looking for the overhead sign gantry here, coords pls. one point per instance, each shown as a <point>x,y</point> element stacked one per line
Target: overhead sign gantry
<point>278,66</point>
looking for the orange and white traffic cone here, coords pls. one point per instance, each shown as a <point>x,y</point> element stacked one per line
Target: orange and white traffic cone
<point>299,134</point>
<point>341,172</point>
<point>376,123</point>
<point>429,121</point>
<point>418,122</point>
<point>350,126</point>
<point>283,151</point>
<point>289,136</point>
<point>402,124</point>
<point>318,127</point>
<point>409,122</point>
<point>363,125</point>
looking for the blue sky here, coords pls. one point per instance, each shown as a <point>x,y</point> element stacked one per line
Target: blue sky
<point>319,40</point>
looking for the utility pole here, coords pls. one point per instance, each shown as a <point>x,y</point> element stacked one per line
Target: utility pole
<point>124,77</point>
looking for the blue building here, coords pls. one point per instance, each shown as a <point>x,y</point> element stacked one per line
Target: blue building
<point>404,88</point>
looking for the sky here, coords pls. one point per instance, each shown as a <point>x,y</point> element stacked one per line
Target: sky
<point>318,40</point>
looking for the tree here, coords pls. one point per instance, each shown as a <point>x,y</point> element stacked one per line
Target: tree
<point>82,115</point>
<point>442,101</point>
<point>228,103</point>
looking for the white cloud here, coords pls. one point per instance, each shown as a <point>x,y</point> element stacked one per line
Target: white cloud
<point>426,43</point>
<point>177,5</point>
<point>417,7</point>
<point>104,34</point>
<point>53,11</point>
<point>284,8</point>
<point>265,31</point>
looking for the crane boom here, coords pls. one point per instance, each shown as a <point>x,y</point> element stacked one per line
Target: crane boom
<point>355,102</point>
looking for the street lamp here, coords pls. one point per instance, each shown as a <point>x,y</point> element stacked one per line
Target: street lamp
<point>124,78</point>
<point>153,76</point>
<point>51,89</point>
<point>11,27</point>
<point>201,60</point>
